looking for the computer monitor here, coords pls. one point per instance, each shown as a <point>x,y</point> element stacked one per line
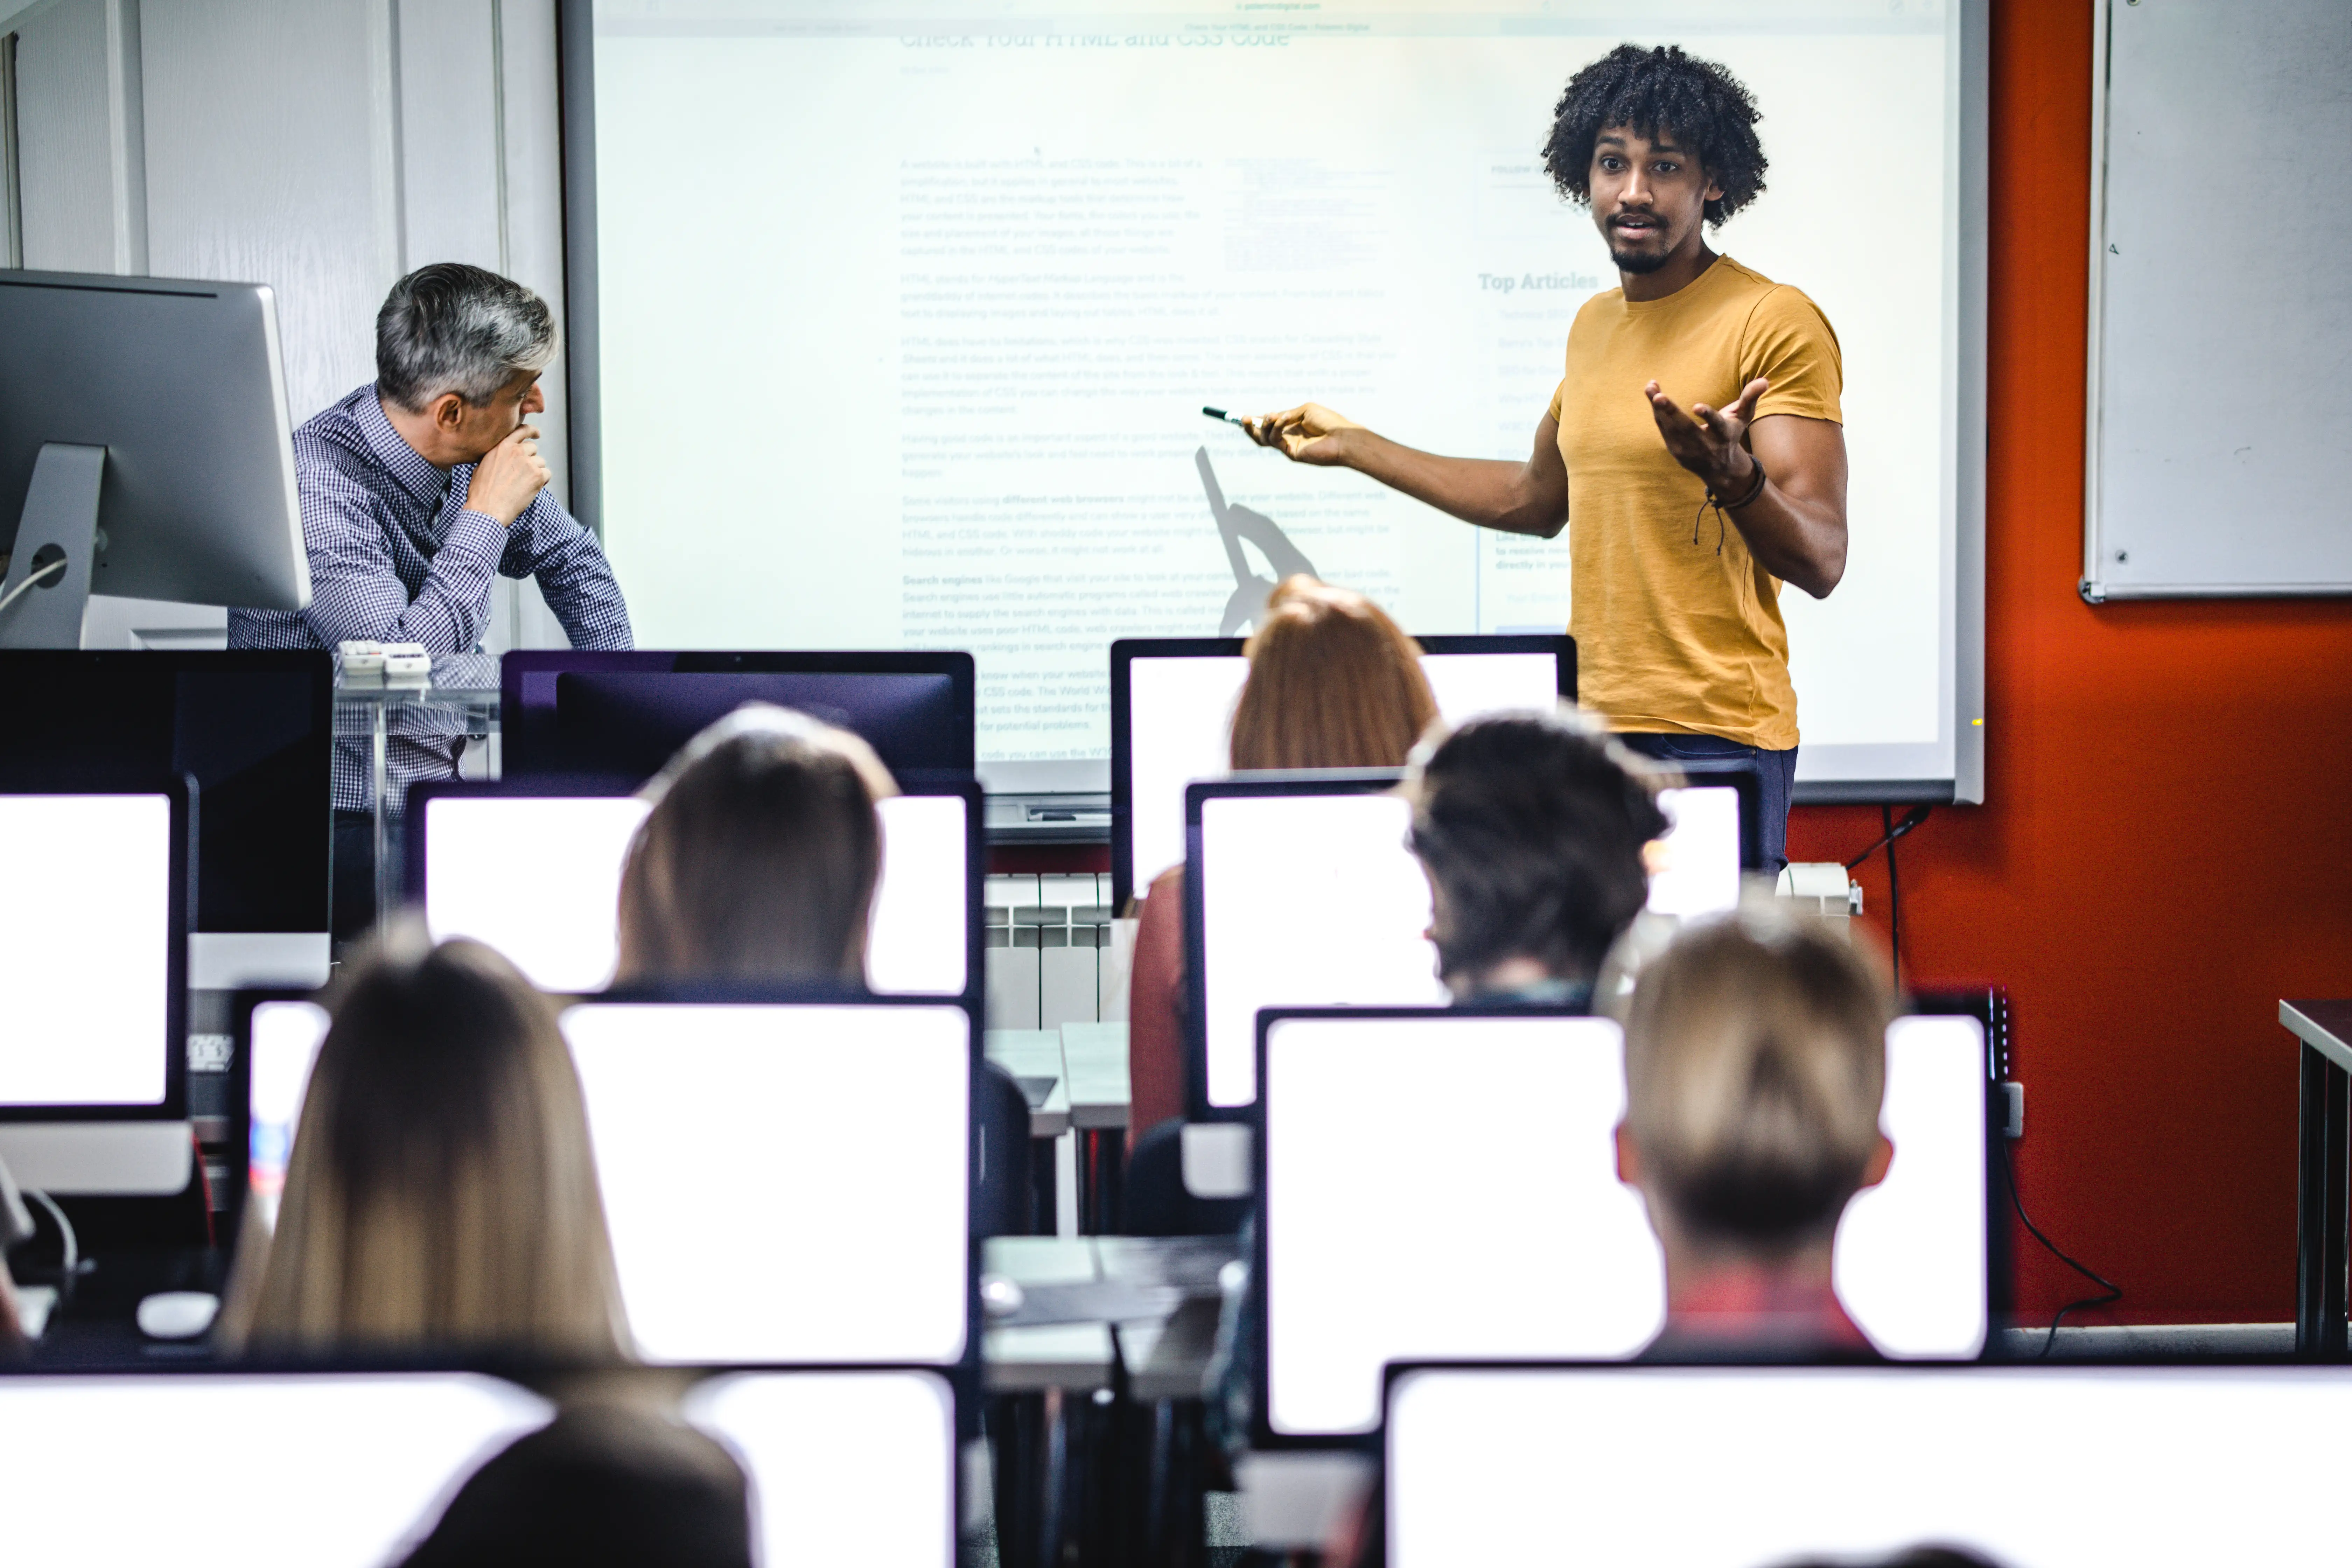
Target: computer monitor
<point>351,1469</point>
<point>623,715</point>
<point>2164,1466</point>
<point>845,1465</point>
<point>254,730</point>
<point>145,450</point>
<point>1300,891</point>
<point>784,1182</point>
<point>93,963</point>
<point>277,1036</point>
<point>533,868</point>
<point>1171,712</point>
<point>1442,1185</point>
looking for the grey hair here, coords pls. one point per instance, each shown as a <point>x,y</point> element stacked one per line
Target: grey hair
<point>453,328</point>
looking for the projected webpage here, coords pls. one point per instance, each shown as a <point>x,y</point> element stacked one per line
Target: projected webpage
<point>539,878</point>
<point>1398,1227</point>
<point>86,948</point>
<point>2193,1466</point>
<point>1181,723</point>
<point>969,271</point>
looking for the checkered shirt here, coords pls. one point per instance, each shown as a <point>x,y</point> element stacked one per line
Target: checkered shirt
<point>397,557</point>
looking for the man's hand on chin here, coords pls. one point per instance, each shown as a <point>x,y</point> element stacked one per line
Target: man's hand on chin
<point>508,477</point>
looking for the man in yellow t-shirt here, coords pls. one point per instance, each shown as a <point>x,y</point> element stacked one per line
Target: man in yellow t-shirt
<point>1693,451</point>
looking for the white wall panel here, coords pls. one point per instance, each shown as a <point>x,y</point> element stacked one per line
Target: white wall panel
<point>272,161</point>
<point>82,191</point>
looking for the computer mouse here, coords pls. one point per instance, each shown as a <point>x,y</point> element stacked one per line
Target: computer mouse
<point>177,1314</point>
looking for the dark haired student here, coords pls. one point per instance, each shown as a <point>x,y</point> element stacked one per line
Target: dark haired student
<point>1693,449</point>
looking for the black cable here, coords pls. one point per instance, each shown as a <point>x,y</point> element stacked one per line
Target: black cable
<point>1889,831</point>
<point>2113,1292</point>
<point>1893,895</point>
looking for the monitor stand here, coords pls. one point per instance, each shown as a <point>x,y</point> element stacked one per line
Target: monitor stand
<point>99,1159</point>
<point>57,540</point>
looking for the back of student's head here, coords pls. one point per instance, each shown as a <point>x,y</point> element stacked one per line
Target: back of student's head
<point>441,1190</point>
<point>760,857</point>
<point>1333,683</point>
<point>1531,826</point>
<point>600,1487</point>
<point>1755,1065</point>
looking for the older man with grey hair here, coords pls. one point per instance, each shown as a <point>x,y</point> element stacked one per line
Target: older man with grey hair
<point>418,490</point>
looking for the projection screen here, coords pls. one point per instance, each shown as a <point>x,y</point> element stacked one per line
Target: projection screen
<point>892,324</point>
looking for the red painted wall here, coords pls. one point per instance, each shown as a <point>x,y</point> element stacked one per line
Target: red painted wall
<point>2166,846</point>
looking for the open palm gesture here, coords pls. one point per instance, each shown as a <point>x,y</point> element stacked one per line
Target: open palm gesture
<point>1710,442</point>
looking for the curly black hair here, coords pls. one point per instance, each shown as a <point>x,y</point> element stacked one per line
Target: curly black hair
<point>1645,90</point>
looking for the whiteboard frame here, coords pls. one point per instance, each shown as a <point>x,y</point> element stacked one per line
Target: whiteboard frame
<point>2094,589</point>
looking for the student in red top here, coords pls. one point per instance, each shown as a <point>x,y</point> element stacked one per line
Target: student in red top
<point>1755,1065</point>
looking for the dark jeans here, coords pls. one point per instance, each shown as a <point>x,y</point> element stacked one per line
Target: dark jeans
<point>1778,769</point>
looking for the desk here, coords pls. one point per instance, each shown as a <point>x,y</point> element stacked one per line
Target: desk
<point>2325,1112</point>
<point>1095,1057</point>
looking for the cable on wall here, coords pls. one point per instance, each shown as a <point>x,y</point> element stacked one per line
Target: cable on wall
<point>1892,830</point>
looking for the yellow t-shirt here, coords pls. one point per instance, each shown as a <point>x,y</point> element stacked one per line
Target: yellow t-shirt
<point>1671,635</point>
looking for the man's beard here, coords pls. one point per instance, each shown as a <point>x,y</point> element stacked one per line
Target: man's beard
<point>1639,262</point>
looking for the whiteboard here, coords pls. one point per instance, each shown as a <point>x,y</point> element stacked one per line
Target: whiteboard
<point>959,276</point>
<point>2221,311</point>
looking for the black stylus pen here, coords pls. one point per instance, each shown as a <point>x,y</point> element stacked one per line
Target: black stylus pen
<point>1228,418</point>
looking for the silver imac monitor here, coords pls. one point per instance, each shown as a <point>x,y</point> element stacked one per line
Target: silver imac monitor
<point>351,1469</point>
<point>1172,715</point>
<point>93,961</point>
<point>2164,1467</point>
<point>536,874</point>
<point>145,450</point>
<point>1442,1185</point>
<point>1301,892</point>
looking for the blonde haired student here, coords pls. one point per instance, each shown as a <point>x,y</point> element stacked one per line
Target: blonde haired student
<point>441,1193</point>
<point>1755,1065</point>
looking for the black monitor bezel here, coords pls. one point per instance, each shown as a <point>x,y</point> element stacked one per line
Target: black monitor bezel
<point>179,905</point>
<point>1349,780</point>
<point>514,667</point>
<point>1125,651</point>
<point>422,793</point>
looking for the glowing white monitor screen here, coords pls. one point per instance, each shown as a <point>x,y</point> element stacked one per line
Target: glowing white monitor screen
<point>1695,869</point>
<point>319,1469</point>
<point>848,1467</point>
<point>539,878</point>
<point>86,948</point>
<point>1541,1251</point>
<point>1396,1229</point>
<point>1181,721</point>
<point>1307,901</point>
<point>536,877</point>
<point>284,1043</point>
<point>1691,1468</point>
<point>736,1150</point>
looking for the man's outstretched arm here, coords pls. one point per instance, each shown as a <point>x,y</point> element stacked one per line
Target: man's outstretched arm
<point>1517,498</point>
